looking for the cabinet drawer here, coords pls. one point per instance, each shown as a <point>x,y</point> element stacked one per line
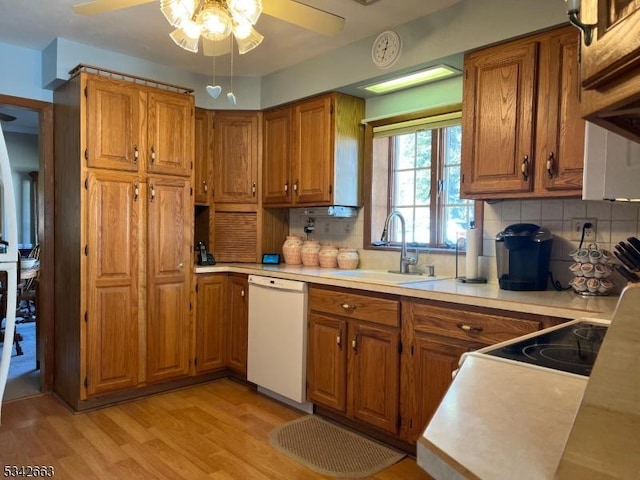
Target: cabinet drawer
<point>346,303</point>
<point>465,325</point>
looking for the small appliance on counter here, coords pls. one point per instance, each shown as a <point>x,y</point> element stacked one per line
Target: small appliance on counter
<point>523,252</point>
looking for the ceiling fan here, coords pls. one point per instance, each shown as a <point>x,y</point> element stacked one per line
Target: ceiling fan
<point>290,11</point>
<point>4,117</point>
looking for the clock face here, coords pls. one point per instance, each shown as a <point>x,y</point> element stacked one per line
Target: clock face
<point>386,49</point>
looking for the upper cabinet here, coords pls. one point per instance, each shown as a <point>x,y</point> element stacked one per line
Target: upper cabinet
<point>236,142</point>
<point>312,152</point>
<point>136,128</point>
<point>522,131</point>
<point>203,166</point>
<point>611,66</point>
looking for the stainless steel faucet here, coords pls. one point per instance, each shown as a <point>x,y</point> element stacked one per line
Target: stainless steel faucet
<point>405,259</point>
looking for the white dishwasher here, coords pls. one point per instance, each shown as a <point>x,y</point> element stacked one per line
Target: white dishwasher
<point>277,346</point>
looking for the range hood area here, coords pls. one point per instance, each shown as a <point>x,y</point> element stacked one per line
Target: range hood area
<point>611,166</point>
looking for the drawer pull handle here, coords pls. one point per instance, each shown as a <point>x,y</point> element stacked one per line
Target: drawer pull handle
<point>525,168</point>
<point>346,306</point>
<point>469,328</point>
<point>550,165</point>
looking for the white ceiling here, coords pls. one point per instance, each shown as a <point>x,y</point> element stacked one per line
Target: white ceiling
<point>143,32</point>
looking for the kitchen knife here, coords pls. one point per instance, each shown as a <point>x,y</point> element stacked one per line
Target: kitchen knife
<point>635,243</point>
<point>632,277</point>
<point>620,255</point>
<point>631,252</point>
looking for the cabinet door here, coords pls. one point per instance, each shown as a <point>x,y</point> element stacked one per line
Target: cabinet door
<point>616,43</point>
<point>313,155</point>
<point>431,365</point>
<point>113,122</point>
<point>276,169</point>
<point>374,372</point>
<point>169,244</point>
<point>238,317</point>
<point>211,328</point>
<point>235,158</point>
<point>170,119</point>
<point>560,128</point>
<point>327,349</point>
<point>203,171</point>
<point>113,219</point>
<point>497,119</point>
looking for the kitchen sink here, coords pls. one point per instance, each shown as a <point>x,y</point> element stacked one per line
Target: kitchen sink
<point>381,276</point>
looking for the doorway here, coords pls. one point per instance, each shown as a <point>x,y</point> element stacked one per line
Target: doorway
<point>43,233</point>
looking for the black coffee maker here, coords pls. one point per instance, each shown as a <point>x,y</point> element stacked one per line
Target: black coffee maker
<point>523,252</point>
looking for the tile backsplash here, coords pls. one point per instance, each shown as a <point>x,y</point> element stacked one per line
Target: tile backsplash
<point>615,222</point>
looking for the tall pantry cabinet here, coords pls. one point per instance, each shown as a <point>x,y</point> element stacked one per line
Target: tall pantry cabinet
<point>123,242</point>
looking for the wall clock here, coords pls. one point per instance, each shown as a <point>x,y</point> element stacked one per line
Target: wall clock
<point>386,49</point>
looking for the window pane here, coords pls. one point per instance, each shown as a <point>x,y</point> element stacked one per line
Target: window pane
<point>423,186</point>
<point>422,230</point>
<point>452,184</point>
<point>456,221</point>
<point>423,151</point>
<point>453,141</point>
<point>403,190</point>
<point>407,213</point>
<point>405,151</point>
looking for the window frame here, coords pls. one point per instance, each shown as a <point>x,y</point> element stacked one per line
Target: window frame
<point>368,235</point>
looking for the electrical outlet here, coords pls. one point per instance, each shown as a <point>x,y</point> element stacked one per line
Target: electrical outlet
<point>589,233</point>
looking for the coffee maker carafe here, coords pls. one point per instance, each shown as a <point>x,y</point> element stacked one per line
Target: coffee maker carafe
<point>523,252</point>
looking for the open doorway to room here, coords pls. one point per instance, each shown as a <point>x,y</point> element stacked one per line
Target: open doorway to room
<point>30,146</point>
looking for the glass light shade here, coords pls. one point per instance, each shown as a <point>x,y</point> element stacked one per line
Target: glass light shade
<point>177,11</point>
<point>185,40</point>
<point>247,37</point>
<point>248,10</point>
<point>215,22</point>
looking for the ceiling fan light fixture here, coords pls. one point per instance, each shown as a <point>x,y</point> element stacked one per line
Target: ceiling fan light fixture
<point>248,10</point>
<point>184,39</point>
<point>214,20</point>
<point>178,11</point>
<point>247,37</point>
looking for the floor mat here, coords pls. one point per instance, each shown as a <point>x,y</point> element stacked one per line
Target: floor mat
<point>330,449</point>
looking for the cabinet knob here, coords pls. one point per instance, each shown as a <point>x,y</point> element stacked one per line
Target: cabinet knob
<point>550,165</point>
<point>136,191</point>
<point>469,328</point>
<point>152,193</point>
<point>339,339</point>
<point>205,187</point>
<point>286,187</point>
<point>354,342</point>
<point>242,293</point>
<point>253,189</point>
<point>525,167</point>
<point>295,187</point>
<point>346,306</point>
<point>136,154</point>
<point>153,154</point>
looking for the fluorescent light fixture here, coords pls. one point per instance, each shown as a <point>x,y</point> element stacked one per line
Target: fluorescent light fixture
<point>431,74</point>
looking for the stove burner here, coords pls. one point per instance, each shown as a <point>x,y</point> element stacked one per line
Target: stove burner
<point>572,348</point>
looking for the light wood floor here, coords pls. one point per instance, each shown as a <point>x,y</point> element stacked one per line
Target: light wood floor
<point>215,431</point>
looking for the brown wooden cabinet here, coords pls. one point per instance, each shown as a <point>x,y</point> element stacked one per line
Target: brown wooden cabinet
<point>353,355</point>
<point>136,128</point>
<point>236,142</point>
<point>203,165</point>
<point>169,246</point>
<point>113,260</point>
<point>522,135</point>
<point>124,237</point>
<point>611,66</point>
<point>211,323</point>
<point>238,318</point>
<point>434,336</point>
<point>312,152</point>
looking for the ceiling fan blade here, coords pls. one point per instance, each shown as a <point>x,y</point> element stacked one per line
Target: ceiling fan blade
<point>303,15</point>
<point>102,6</point>
<point>212,48</point>
<point>4,117</point>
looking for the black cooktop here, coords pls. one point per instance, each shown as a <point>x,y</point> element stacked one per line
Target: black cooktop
<point>572,348</point>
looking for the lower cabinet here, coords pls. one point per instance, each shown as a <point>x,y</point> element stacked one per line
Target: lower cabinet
<point>354,355</point>
<point>221,323</point>
<point>435,335</point>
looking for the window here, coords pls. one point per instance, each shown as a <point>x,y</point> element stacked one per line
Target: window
<point>415,170</point>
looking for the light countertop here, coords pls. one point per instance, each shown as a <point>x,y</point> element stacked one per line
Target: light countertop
<point>565,304</point>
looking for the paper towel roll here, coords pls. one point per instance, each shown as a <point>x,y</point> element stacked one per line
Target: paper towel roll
<point>473,244</point>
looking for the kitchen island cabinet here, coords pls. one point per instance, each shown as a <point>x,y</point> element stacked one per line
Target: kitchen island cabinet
<point>610,68</point>
<point>354,355</point>
<point>124,237</point>
<point>522,132</point>
<point>312,152</point>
